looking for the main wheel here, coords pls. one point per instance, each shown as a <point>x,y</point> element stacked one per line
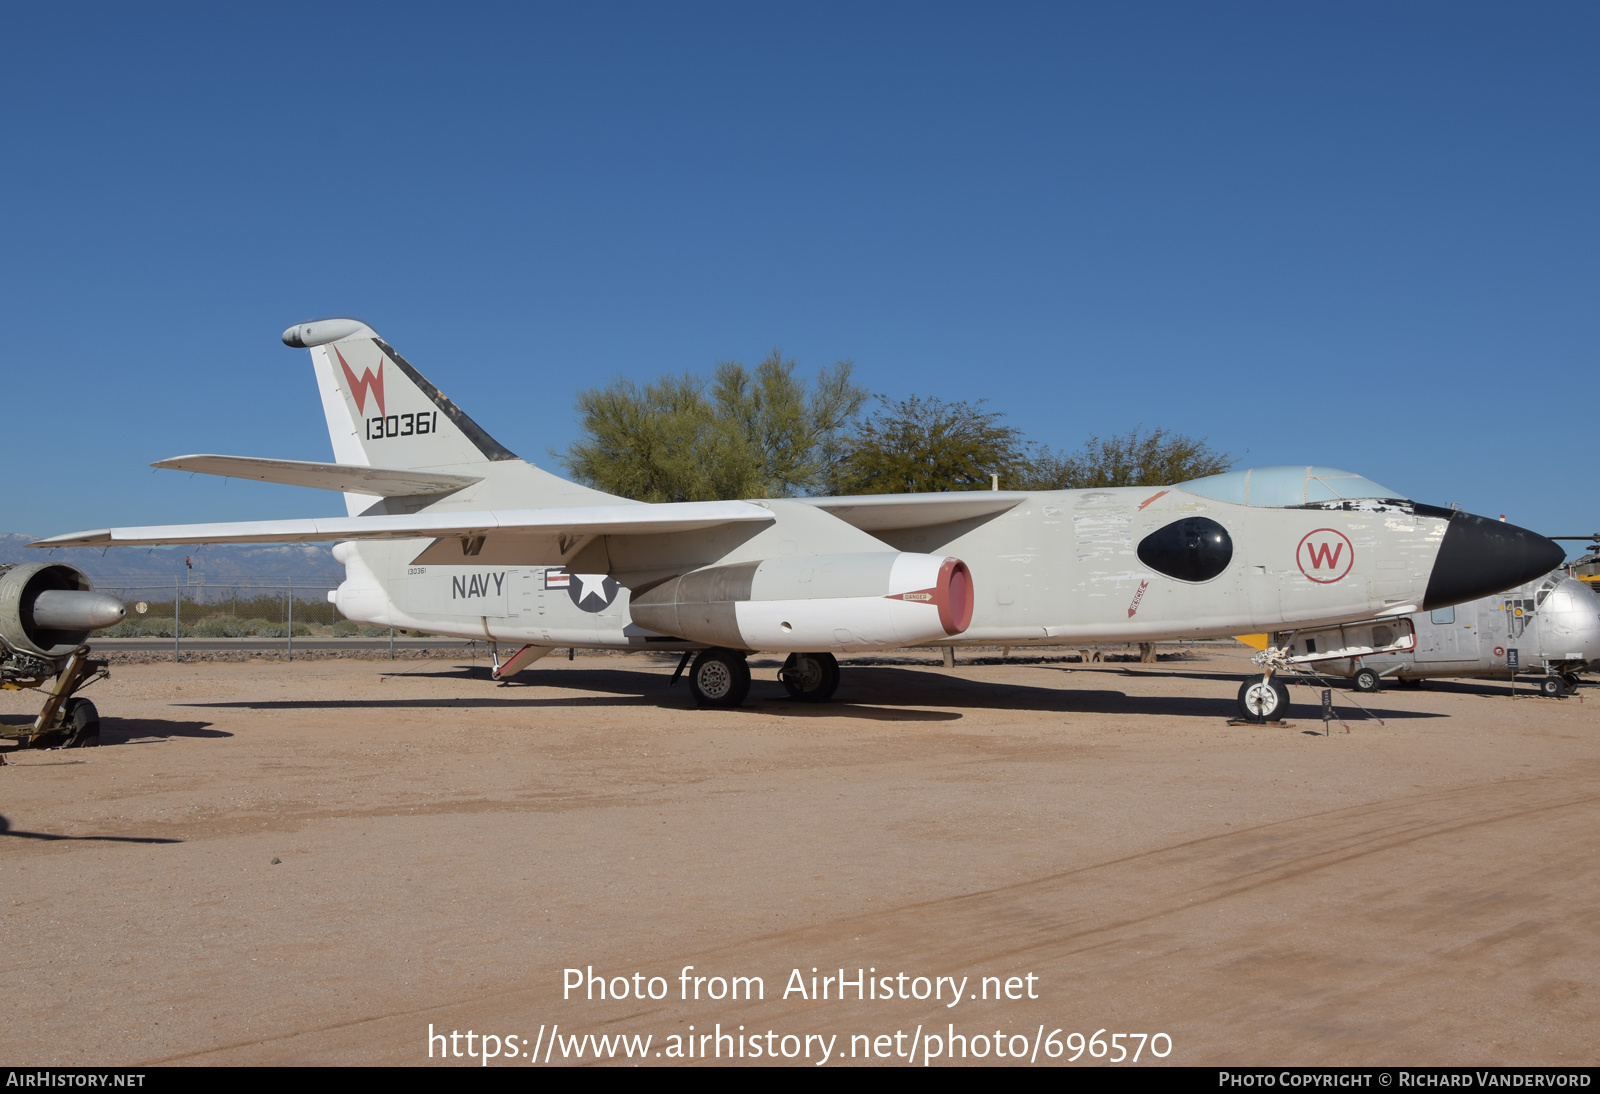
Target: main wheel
<point>1263,700</point>
<point>1552,687</point>
<point>1365,680</point>
<point>1573,680</point>
<point>81,726</point>
<point>810,677</point>
<point>1412,682</point>
<point>719,678</point>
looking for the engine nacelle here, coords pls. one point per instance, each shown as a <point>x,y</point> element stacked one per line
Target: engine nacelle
<point>814,603</point>
<point>48,608</point>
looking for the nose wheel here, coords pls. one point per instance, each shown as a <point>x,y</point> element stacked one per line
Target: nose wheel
<point>1263,700</point>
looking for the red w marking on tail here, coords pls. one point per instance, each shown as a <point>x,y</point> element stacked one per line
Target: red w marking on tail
<point>1324,554</point>
<point>359,388</point>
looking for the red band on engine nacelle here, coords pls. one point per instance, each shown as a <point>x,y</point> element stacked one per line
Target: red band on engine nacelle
<point>954,596</point>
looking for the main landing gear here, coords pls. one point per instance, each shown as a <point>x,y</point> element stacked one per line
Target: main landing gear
<point>810,677</point>
<point>1559,686</point>
<point>721,677</point>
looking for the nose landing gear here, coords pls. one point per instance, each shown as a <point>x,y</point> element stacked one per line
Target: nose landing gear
<point>1263,699</point>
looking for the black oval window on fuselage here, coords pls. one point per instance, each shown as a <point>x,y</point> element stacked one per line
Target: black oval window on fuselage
<point>1192,549</point>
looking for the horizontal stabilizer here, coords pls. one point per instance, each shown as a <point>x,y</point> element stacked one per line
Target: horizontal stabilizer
<point>381,482</point>
<point>637,518</point>
<point>889,512</point>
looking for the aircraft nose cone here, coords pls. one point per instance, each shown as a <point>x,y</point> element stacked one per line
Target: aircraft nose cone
<point>1480,556</point>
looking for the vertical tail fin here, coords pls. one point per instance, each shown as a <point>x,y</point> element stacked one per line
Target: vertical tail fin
<point>381,411</point>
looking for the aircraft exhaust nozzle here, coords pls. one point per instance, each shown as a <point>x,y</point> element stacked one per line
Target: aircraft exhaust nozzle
<point>75,610</point>
<point>1480,557</point>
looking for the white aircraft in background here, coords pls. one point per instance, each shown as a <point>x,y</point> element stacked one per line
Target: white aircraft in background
<point>1549,626</point>
<point>449,532</point>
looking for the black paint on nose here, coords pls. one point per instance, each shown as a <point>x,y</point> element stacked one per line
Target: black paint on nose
<point>1480,556</point>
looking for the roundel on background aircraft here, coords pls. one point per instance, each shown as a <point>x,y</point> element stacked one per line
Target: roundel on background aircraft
<point>1191,549</point>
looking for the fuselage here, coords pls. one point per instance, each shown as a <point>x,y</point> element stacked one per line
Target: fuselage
<point>1059,567</point>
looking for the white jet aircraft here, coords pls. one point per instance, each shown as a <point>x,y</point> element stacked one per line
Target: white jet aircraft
<point>449,532</point>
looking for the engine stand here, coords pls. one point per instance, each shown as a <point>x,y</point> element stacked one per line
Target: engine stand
<point>77,673</point>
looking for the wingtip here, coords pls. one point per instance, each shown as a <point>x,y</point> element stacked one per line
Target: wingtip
<point>97,538</point>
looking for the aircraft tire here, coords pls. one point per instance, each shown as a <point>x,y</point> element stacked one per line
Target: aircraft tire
<point>810,677</point>
<point>1553,687</point>
<point>1263,701</point>
<point>719,678</point>
<point>831,685</point>
<point>1573,680</point>
<point>1412,682</point>
<point>1365,680</point>
<point>81,726</point>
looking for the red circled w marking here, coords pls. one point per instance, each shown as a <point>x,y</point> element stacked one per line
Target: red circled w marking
<point>1325,555</point>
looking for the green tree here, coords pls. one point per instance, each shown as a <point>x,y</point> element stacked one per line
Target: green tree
<point>921,444</point>
<point>740,435</point>
<point>1157,458</point>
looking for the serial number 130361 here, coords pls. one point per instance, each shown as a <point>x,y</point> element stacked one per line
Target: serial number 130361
<point>403,425</point>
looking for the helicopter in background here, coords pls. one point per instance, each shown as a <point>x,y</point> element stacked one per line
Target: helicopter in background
<point>1549,626</point>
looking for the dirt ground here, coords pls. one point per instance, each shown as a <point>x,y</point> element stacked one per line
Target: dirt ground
<point>315,862</point>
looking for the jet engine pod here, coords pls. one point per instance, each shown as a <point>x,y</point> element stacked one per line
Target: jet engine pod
<point>48,609</point>
<point>814,603</point>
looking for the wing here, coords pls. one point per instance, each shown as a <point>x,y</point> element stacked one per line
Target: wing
<point>348,478</point>
<point>569,523</point>
<point>888,512</point>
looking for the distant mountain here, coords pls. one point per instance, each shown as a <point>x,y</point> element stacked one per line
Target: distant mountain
<point>309,564</point>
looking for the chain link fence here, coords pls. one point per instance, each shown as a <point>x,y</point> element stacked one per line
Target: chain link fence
<point>193,610</point>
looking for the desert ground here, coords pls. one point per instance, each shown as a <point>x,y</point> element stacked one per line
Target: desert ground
<point>315,862</point>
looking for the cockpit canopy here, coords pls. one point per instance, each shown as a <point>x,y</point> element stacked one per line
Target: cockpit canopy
<point>1282,486</point>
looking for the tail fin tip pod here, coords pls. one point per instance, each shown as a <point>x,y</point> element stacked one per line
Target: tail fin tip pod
<point>320,332</point>
<point>381,411</point>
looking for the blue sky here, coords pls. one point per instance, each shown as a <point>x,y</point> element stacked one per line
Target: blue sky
<point>1354,235</point>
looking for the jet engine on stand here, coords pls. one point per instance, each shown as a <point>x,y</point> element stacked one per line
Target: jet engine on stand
<point>47,611</point>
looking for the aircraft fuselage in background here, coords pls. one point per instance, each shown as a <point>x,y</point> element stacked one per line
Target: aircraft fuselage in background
<point>1550,626</point>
